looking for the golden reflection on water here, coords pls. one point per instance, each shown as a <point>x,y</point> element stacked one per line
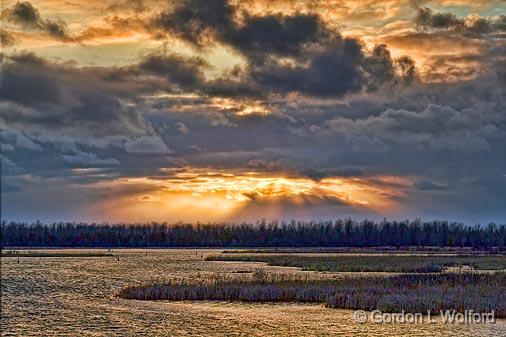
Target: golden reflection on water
<point>75,297</point>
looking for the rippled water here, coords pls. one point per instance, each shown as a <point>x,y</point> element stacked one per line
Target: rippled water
<point>75,297</point>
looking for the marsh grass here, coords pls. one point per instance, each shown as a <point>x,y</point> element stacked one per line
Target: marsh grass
<point>410,250</point>
<point>371,263</point>
<point>55,253</point>
<point>408,292</point>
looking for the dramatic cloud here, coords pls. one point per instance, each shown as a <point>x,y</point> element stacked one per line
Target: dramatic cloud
<point>435,128</point>
<point>205,22</point>
<point>26,15</point>
<point>322,62</point>
<point>185,72</point>
<point>277,35</point>
<point>428,19</point>
<point>336,69</point>
<point>237,110</point>
<point>198,22</point>
<point>38,94</point>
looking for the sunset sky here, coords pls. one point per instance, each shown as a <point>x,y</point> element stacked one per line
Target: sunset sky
<point>146,110</point>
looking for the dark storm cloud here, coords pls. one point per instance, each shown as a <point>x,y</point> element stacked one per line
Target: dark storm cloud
<point>329,70</point>
<point>196,21</point>
<point>54,116</point>
<point>186,72</point>
<point>205,22</point>
<point>92,101</point>
<point>26,15</point>
<point>436,128</point>
<point>57,30</point>
<point>334,69</point>
<point>323,63</point>
<point>33,80</point>
<point>447,143</point>
<point>381,141</point>
<point>39,95</point>
<point>426,18</point>
<point>12,139</point>
<point>277,35</point>
<point>449,134</point>
<point>226,87</point>
<point>23,84</point>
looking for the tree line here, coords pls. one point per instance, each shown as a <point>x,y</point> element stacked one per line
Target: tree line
<point>339,233</point>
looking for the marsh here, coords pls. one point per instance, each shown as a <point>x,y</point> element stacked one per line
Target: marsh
<point>58,296</point>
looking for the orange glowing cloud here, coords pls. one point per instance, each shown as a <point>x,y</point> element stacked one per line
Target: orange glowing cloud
<point>241,107</point>
<point>198,194</point>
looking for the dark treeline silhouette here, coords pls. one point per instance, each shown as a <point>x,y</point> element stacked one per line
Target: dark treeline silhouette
<point>340,233</point>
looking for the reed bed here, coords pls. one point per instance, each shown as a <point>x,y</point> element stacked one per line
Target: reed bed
<point>409,250</point>
<point>371,263</point>
<point>408,292</point>
<point>55,253</point>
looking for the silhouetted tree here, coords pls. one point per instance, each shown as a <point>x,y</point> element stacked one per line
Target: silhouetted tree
<point>340,233</point>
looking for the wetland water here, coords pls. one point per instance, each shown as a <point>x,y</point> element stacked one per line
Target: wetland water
<point>74,296</point>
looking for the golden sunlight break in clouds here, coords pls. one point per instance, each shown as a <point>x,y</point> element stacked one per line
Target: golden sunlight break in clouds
<point>197,194</point>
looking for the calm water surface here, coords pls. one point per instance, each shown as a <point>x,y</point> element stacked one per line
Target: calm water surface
<point>75,297</point>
